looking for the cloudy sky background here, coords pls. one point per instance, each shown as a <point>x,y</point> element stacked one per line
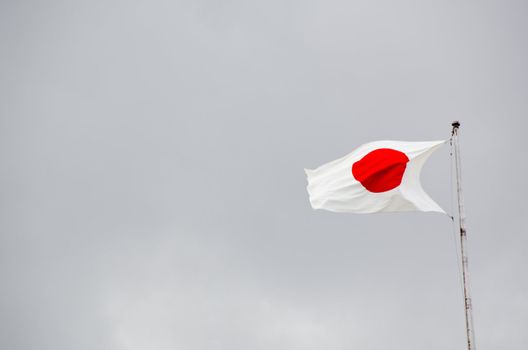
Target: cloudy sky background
<point>152,185</point>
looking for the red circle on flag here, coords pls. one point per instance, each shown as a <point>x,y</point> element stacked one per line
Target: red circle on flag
<point>380,170</point>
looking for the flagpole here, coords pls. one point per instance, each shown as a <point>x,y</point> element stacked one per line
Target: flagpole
<point>463,239</point>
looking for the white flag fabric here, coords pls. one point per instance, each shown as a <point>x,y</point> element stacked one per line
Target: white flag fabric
<point>380,176</point>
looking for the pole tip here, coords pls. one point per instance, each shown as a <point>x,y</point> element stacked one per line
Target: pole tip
<point>455,124</point>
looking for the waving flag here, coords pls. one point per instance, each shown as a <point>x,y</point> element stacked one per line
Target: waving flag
<point>381,176</point>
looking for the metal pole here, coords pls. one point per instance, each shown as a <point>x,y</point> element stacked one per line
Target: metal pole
<point>463,239</point>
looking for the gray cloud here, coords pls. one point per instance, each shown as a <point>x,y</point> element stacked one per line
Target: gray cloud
<point>153,194</point>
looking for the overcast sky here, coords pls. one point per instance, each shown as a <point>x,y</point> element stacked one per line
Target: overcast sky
<point>152,186</point>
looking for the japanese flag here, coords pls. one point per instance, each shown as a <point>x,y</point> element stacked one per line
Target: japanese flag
<point>381,176</point>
